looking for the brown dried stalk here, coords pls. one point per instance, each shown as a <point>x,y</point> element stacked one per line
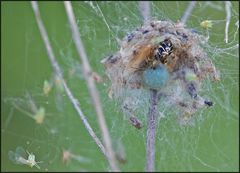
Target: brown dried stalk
<point>91,86</point>
<point>145,10</point>
<point>151,132</point>
<point>58,72</point>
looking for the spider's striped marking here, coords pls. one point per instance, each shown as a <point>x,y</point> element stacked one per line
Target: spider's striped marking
<point>165,48</point>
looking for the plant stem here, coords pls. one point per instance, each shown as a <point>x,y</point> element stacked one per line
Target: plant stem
<point>91,86</point>
<point>188,12</point>
<point>58,72</point>
<point>145,10</point>
<point>151,132</point>
<point>228,18</point>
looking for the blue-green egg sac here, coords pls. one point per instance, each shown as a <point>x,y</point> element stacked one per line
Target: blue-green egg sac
<point>155,78</point>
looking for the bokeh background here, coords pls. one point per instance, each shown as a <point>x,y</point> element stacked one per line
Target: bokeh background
<point>212,144</point>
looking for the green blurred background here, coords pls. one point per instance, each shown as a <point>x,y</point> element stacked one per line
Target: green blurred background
<point>211,145</point>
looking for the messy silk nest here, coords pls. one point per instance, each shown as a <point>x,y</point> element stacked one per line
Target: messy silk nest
<point>178,80</point>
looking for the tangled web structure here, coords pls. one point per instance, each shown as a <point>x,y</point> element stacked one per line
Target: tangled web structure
<point>143,62</point>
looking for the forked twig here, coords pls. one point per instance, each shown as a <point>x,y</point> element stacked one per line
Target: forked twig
<point>188,12</point>
<point>228,18</point>
<point>58,72</point>
<point>91,86</point>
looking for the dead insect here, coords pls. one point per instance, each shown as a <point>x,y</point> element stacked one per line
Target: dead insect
<point>135,122</point>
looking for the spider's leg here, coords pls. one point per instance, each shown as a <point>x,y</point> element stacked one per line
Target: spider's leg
<point>192,90</point>
<point>193,93</point>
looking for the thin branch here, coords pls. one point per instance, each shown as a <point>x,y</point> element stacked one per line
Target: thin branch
<point>228,18</point>
<point>144,8</point>
<point>151,132</point>
<point>91,86</point>
<point>58,72</point>
<point>188,12</point>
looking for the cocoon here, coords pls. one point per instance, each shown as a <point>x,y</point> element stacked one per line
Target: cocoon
<point>155,78</point>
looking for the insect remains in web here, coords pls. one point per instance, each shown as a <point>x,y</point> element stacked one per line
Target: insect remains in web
<point>67,156</point>
<point>19,157</point>
<point>169,58</point>
<point>32,110</point>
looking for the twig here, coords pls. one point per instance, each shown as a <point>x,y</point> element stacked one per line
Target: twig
<point>91,86</point>
<point>151,132</point>
<point>145,10</point>
<point>188,12</point>
<point>228,18</point>
<point>59,73</point>
<point>144,7</point>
